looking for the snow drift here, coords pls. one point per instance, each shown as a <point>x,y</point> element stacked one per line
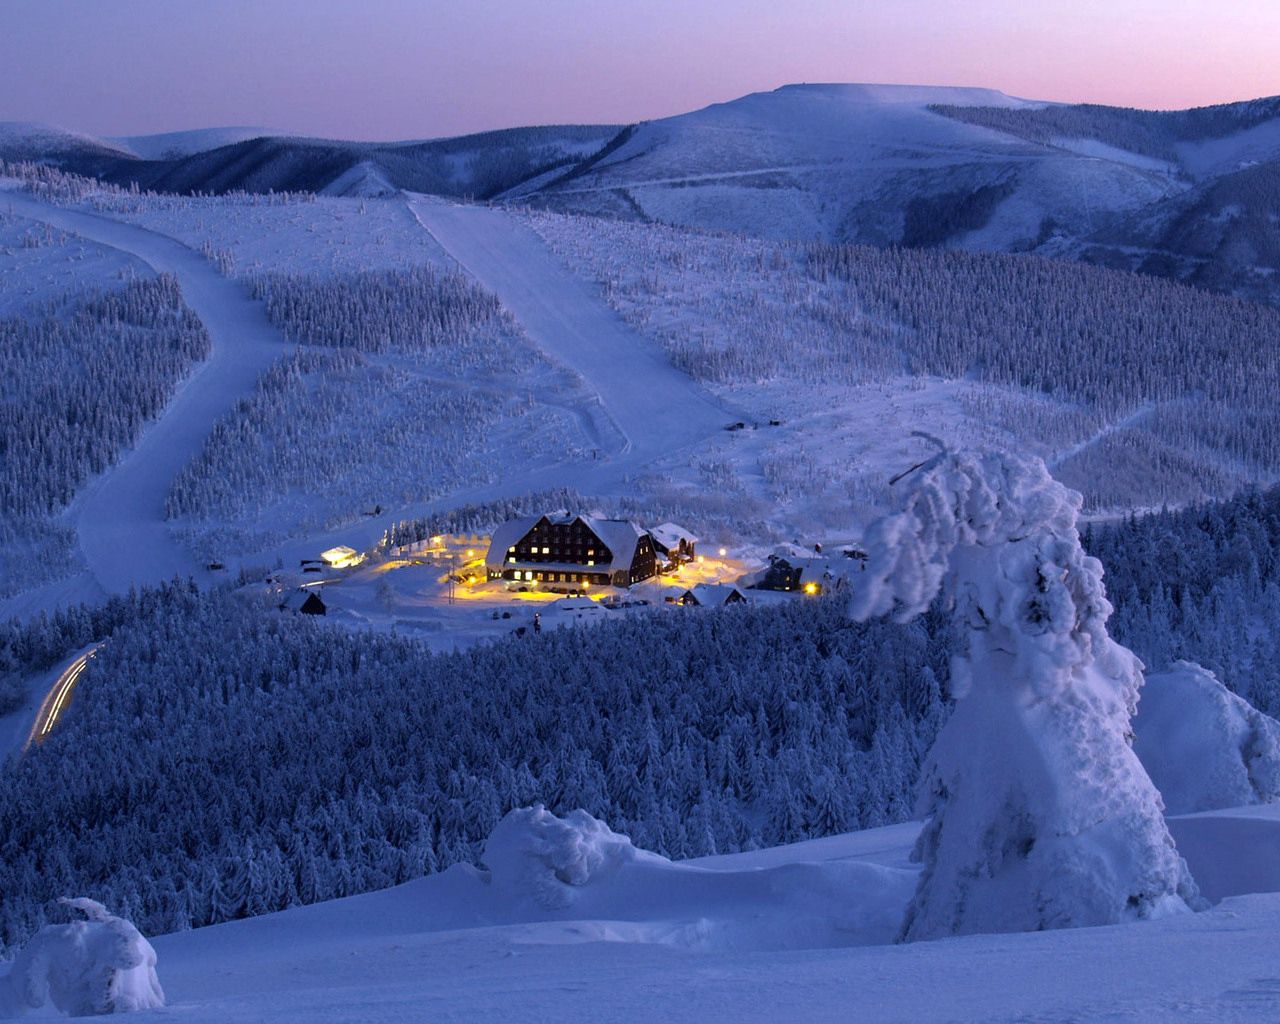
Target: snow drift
<point>1041,815</point>
<point>1204,747</point>
<point>86,968</point>
<point>575,868</point>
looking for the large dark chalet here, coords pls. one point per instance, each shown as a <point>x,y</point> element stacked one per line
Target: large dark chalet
<point>571,549</point>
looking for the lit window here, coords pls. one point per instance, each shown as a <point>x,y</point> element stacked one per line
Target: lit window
<point>546,551</point>
<point>591,561</point>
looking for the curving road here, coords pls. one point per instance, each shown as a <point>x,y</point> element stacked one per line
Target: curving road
<point>59,696</point>
<point>119,516</point>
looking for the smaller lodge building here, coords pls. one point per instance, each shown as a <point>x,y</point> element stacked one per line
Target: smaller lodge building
<point>563,548</point>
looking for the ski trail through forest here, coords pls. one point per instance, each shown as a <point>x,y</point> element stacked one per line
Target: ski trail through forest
<point>657,408</point>
<point>119,515</point>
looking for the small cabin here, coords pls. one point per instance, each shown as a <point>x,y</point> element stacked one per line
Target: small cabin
<point>713,595</point>
<point>674,543</point>
<point>341,557</point>
<point>304,602</point>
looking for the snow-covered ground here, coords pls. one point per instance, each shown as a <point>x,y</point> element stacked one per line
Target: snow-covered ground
<point>40,264</point>
<point>653,407</point>
<point>297,234</point>
<point>119,516</point>
<point>795,933</point>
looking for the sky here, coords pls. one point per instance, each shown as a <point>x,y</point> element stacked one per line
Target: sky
<point>399,69</point>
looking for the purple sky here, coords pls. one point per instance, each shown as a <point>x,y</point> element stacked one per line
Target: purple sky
<point>390,69</point>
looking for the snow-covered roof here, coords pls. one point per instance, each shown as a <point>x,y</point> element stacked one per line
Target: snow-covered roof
<point>505,537</point>
<point>669,535</point>
<point>574,604</point>
<point>294,601</point>
<point>713,595</point>
<point>620,536</point>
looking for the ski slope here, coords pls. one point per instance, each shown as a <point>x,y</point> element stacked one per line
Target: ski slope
<point>119,515</point>
<point>774,935</point>
<point>655,408</point>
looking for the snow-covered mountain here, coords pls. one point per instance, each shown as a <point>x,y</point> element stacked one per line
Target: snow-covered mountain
<point>1185,194</point>
<point>173,145</point>
<point>256,160</point>
<point>860,163</point>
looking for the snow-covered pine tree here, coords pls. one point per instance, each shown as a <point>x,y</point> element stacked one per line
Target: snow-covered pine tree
<point>1040,814</point>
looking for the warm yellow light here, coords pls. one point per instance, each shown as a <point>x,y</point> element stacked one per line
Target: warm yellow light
<point>811,588</point>
<point>470,553</point>
<point>700,559</point>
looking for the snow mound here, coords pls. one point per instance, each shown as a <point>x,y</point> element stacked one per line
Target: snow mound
<point>86,968</point>
<point>532,850</point>
<point>545,869</point>
<point>1204,747</point>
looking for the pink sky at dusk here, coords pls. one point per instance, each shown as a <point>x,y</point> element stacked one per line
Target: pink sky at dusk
<point>390,69</point>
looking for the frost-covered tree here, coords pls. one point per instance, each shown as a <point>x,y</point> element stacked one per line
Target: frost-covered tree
<point>1040,814</point>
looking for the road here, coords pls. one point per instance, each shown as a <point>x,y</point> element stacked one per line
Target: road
<point>119,515</point>
<point>58,698</point>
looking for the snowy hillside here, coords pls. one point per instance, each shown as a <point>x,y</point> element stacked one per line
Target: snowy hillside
<point>857,163</point>
<point>26,140</point>
<point>792,933</point>
<point>172,145</point>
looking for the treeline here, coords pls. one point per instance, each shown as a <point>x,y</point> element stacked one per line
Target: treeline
<point>1100,345</point>
<point>1201,584</point>
<point>79,386</point>
<point>346,432</point>
<point>412,310</point>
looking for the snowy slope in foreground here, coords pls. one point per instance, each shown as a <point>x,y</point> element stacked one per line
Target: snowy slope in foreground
<point>639,944</point>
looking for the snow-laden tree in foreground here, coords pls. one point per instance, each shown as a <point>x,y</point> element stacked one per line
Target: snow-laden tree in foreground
<point>1040,814</point>
<point>86,968</point>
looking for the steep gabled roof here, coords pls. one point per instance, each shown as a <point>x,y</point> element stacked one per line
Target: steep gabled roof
<point>620,536</point>
<point>505,537</point>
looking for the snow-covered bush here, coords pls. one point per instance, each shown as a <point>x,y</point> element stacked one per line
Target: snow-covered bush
<point>87,968</point>
<point>1204,747</point>
<point>1040,814</point>
<point>533,854</point>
